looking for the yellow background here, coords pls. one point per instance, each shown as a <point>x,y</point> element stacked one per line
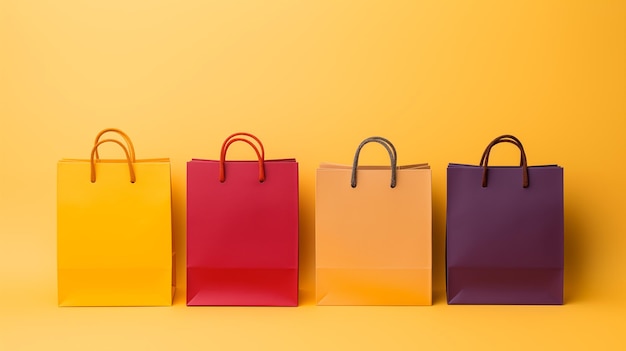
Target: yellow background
<point>312,79</point>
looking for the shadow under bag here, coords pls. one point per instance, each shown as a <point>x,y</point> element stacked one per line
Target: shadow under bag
<point>504,241</point>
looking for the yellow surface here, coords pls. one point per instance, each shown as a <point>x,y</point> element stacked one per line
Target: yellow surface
<point>312,79</point>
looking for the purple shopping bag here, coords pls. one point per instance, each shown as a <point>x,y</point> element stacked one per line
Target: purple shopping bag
<point>504,240</point>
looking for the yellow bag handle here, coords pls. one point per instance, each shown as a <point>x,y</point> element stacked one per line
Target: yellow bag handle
<point>94,151</point>
<point>131,147</point>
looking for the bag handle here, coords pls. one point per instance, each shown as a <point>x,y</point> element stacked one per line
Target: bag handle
<point>131,170</point>
<point>131,148</point>
<point>393,156</point>
<point>510,141</point>
<point>260,155</point>
<point>505,139</point>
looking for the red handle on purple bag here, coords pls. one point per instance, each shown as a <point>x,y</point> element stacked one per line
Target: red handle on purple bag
<point>523,161</point>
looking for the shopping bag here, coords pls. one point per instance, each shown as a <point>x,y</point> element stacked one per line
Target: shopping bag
<point>242,230</point>
<point>114,231</point>
<point>504,242</point>
<point>373,237</point>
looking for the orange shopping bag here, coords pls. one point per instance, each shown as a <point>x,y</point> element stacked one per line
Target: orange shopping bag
<point>114,230</point>
<point>373,232</point>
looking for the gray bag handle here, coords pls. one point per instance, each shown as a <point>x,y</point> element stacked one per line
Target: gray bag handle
<point>392,155</point>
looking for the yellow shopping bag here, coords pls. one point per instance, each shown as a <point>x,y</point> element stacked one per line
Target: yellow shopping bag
<point>114,231</point>
<point>373,236</point>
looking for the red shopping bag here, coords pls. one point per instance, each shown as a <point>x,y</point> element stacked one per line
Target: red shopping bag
<point>242,230</point>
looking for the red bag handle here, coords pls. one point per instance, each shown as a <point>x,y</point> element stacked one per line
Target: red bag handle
<point>260,155</point>
<point>94,150</point>
<point>510,141</point>
<point>129,144</point>
<point>523,161</point>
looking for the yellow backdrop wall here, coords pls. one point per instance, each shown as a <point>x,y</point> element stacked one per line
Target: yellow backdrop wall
<point>312,79</point>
